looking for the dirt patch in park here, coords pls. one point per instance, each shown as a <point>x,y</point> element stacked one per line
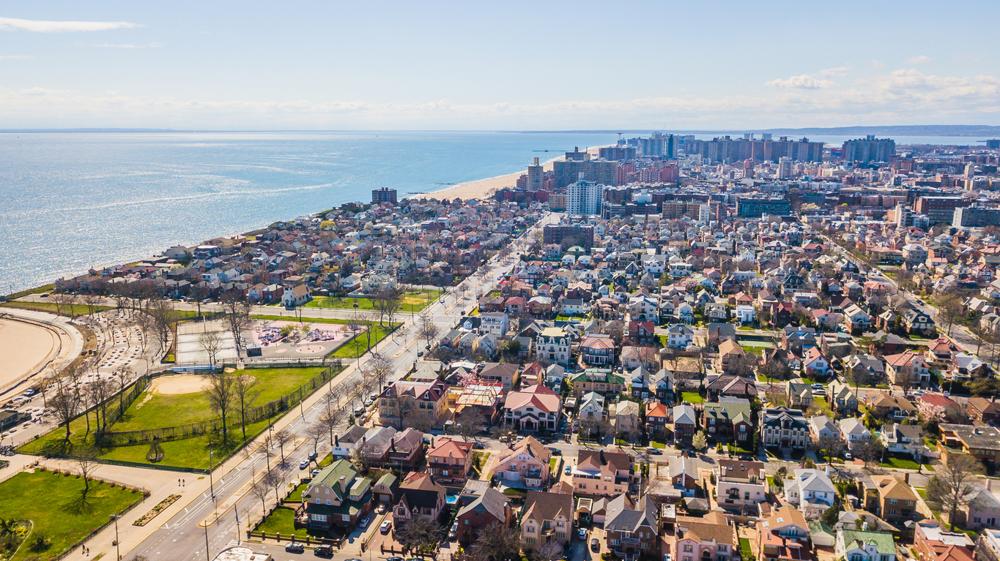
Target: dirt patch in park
<point>177,384</point>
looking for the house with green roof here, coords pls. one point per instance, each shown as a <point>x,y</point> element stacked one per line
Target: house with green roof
<point>854,545</point>
<point>337,497</point>
<point>728,420</point>
<point>601,380</point>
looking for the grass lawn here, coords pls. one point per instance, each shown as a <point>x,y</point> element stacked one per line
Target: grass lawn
<point>152,410</point>
<point>53,503</point>
<point>745,551</point>
<point>900,463</point>
<point>358,345</point>
<point>296,495</point>
<point>412,301</point>
<point>157,411</point>
<point>657,444</point>
<point>50,307</point>
<point>692,397</point>
<point>821,404</point>
<point>282,521</point>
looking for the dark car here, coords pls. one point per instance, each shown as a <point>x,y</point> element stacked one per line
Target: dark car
<point>295,547</point>
<point>395,559</point>
<point>324,551</point>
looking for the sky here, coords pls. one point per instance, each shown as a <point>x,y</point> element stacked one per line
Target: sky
<point>507,65</point>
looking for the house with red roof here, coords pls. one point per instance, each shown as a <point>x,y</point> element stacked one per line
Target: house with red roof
<point>533,409</point>
<point>449,460</point>
<point>940,407</point>
<point>907,369</point>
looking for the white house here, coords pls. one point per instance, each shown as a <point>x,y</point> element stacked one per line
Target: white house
<point>553,345</point>
<point>297,296</point>
<point>811,490</point>
<point>855,433</point>
<point>745,313</point>
<point>679,336</point>
<point>494,323</point>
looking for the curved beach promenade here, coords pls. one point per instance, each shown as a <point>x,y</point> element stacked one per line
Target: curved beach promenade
<point>30,343</point>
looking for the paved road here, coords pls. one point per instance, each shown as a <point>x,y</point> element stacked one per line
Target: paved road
<point>183,536</point>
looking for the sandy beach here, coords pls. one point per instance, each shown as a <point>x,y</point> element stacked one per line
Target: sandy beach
<point>24,348</point>
<point>483,188</point>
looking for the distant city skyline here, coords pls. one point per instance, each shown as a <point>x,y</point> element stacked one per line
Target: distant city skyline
<point>509,66</point>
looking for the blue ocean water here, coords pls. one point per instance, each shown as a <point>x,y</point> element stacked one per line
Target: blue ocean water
<point>71,201</point>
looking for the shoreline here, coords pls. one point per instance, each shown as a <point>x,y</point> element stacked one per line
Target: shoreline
<point>465,190</point>
<point>484,188</point>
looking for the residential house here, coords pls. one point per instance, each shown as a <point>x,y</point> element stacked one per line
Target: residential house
<point>525,466</point>
<point>941,408</point>
<point>503,373</point>
<point>419,404</point>
<point>657,416</point>
<point>799,395</point>
<point>597,350</point>
<point>740,485</point>
<point>854,433</point>
<point>601,380</point>
<point>981,511</point>
<point>904,440</point>
<point>934,543</point>
<point>983,411</point>
<point>705,538</point>
<point>419,498</point>
<point>729,420</point>
<point>731,359</point>
<point>891,497</point>
<point>336,498</point>
<point>785,429</point>
<point>983,442</point>
<point>685,424</point>
<point>679,336</point>
<point>489,512</point>
<point>631,527</point>
<point>856,545</point>
<point>553,345</point>
<point>449,460</point>
<point>624,417</point>
<point>534,409</point>
<point>811,491</point>
<point>841,397</point>
<point>783,535</point>
<point>731,386</point>
<point>602,473</point>
<point>546,517</point>
<point>891,407</point>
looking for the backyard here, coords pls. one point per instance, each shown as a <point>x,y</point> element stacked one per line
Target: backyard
<point>64,517</point>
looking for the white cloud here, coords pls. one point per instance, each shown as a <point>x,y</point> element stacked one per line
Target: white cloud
<point>129,46</point>
<point>898,97</point>
<point>16,57</point>
<point>801,82</point>
<point>52,26</point>
<point>919,59</point>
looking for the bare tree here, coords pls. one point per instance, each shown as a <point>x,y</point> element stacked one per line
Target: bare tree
<point>427,329</point>
<point>64,403</point>
<point>272,480</point>
<point>210,343</point>
<point>122,376</point>
<point>246,390</point>
<point>315,432</point>
<point>281,438</point>
<point>162,312</point>
<point>952,487</point>
<point>86,464</point>
<point>496,544</point>
<point>330,418</point>
<point>259,490</point>
<point>221,391</point>
<point>831,445</point>
<point>950,309</point>
<point>92,301</point>
<point>378,368</point>
<point>237,313</point>
<point>387,302</point>
<point>98,391</point>
<point>870,451</point>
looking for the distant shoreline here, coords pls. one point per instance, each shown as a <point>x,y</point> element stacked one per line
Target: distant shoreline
<point>483,188</point>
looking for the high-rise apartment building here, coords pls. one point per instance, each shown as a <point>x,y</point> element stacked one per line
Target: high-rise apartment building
<point>938,210</point>
<point>976,217</point>
<point>536,176</point>
<point>384,195</point>
<point>583,198</point>
<point>869,149</point>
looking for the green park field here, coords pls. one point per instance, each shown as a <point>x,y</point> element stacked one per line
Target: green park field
<point>413,301</point>
<point>156,408</point>
<point>56,512</point>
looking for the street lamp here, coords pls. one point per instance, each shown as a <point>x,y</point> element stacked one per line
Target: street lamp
<point>118,547</point>
<point>211,480</point>
<point>208,555</point>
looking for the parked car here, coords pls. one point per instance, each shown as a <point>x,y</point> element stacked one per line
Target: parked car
<point>581,533</point>
<point>303,464</point>
<point>313,456</point>
<point>295,547</point>
<point>654,451</point>
<point>595,545</point>
<point>568,470</point>
<point>453,532</point>
<point>324,551</point>
<point>385,527</point>
<point>395,559</point>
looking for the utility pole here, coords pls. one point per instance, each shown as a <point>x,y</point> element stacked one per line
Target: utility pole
<point>208,556</point>
<point>211,480</point>
<point>118,546</point>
